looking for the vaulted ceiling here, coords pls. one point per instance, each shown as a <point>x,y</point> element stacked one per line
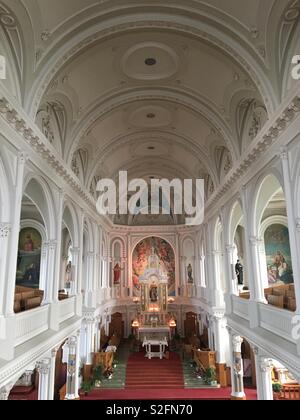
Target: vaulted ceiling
<point>166,89</point>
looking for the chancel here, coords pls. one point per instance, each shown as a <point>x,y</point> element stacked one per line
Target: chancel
<point>122,123</point>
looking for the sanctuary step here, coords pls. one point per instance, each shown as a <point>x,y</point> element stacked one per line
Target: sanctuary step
<point>154,374</point>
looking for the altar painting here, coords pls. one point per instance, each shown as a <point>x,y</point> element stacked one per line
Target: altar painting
<point>29,258</point>
<point>140,258</point>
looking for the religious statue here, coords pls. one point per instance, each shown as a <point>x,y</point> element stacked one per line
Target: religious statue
<point>117,274</point>
<point>190,274</point>
<point>153,294</point>
<point>239,271</point>
<point>68,275</point>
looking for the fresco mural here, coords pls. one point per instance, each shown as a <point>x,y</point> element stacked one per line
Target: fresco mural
<point>140,260</point>
<point>278,255</point>
<point>29,258</point>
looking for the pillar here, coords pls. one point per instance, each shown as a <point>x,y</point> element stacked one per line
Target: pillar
<point>5,230</point>
<point>221,345</point>
<point>231,276</point>
<point>293,224</point>
<point>73,368</point>
<point>12,254</point>
<point>263,368</point>
<point>5,391</point>
<point>237,371</point>
<point>43,369</point>
<point>259,273</point>
<point>52,374</point>
<point>75,270</point>
<point>49,294</point>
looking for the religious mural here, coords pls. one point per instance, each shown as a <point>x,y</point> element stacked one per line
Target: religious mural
<point>278,255</point>
<point>140,258</point>
<point>29,258</point>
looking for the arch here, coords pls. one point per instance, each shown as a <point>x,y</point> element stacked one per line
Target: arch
<point>235,219</point>
<point>5,203</point>
<point>267,187</point>
<point>71,222</point>
<point>273,220</point>
<point>166,254</point>
<point>38,191</point>
<point>28,223</point>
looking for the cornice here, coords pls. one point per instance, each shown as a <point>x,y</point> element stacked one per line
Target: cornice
<point>39,144</point>
<point>265,140</point>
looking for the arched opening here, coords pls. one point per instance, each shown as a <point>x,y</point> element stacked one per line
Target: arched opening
<point>219,256</point>
<point>275,265</point>
<point>189,279</point>
<point>32,272</point>
<point>238,251</point>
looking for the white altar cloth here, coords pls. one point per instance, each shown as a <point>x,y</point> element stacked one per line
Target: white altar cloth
<point>162,344</point>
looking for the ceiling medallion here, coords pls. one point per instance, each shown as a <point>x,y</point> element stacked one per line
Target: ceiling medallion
<point>150,61</point>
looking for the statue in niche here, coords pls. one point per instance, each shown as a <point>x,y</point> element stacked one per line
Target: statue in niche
<point>153,294</point>
<point>239,270</point>
<point>190,274</point>
<point>68,277</point>
<point>117,274</point>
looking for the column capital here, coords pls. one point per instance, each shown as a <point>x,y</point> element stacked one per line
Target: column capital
<point>54,352</point>
<point>266,365</point>
<point>237,342</point>
<point>43,367</point>
<point>5,391</point>
<point>53,244</point>
<point>23,158</point>
<point>255,240</point>
<point>5,229</point>
<point>230,248</point>
<point>284,155</point>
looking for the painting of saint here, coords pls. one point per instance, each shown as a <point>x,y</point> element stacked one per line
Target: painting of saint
<point>278,255</point>
<point>190,274</point>
<point>153,294</point>
<point>117,274</point>
<point>29,258</point>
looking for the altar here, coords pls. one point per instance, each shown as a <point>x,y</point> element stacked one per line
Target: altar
<point>154,331</point>
<point>150,345</point>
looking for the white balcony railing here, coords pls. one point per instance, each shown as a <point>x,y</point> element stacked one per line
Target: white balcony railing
<point>277,321</point>
<point>30,324</point>
<point>240,307</point>
<point>66,309</point>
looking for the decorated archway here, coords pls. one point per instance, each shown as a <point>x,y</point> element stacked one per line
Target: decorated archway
<point>141,255</point>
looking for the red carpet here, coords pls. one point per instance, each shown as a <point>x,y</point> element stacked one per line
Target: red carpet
<point>154,374</point>
<point>163,394</point>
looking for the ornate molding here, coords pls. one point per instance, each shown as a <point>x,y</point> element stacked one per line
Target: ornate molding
<point>265,140</point>
<point>5,229</point>
<point>43,367</point>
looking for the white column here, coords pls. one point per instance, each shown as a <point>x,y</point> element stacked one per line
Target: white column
<point>294,225</point>
<point>43,270</point>
<point>43,369</point>
<point>260,273</point>
<point>183,277</point>
<point>237,370</point>
<point>73,368</point>
<point>52,374</point>
<point>75,270</point>
<point>202,271</point>
<point>221,337</point>
<point>90,342</point>
<point>5,391</point>
<point>48,295</point>
<point>231,276</point>
<point>14,237</point>
<point>5,230</point>
<point>77,365</point>
<point>264,367</point>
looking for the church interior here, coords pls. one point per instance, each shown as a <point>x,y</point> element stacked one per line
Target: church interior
<point>145,306</point>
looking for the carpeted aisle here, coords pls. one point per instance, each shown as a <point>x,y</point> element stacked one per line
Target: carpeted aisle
<point>154,374</point>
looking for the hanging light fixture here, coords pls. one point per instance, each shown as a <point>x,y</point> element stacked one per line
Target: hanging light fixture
<point>135,324</point>
<point>172,323</point>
